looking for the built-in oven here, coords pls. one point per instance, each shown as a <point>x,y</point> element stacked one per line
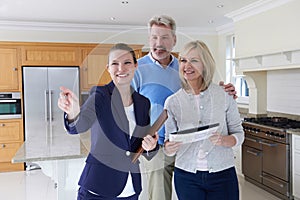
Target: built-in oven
<point>276,166</point>
<point>10,105</point>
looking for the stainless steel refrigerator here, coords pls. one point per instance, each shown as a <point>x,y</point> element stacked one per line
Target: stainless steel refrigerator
<point>42,117</point>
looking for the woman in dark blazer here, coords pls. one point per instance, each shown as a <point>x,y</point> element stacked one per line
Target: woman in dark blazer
<point>119,119</point>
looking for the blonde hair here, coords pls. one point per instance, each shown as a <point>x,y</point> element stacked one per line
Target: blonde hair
<point>163,20</point>
<point>206,58</point>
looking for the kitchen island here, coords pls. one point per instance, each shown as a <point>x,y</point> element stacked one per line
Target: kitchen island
<point>60,156</point>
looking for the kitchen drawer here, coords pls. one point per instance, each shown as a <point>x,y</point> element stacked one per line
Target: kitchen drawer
<point>276,184</point>
<point>10,130</point>
<point>253,142</point>
<point>9,167</point>
<point>7,151</point>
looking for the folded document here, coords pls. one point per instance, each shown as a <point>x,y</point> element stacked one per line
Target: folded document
<point>194,134</point>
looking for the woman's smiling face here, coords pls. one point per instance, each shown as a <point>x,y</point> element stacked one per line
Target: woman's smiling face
<point>191,66</point>
<point>121,67</point>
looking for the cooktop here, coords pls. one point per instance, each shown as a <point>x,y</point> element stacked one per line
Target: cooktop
<point>278,122</point>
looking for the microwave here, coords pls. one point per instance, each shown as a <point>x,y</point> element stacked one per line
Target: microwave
<point>10,105</point>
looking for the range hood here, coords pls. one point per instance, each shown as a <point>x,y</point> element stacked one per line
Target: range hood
<point>289,59</point>
<point>255,70</point>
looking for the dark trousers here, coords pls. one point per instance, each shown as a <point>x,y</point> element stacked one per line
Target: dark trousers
<point>83,194</point>
<point>203,185</point>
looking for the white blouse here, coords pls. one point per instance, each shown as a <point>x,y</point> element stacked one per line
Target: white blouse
<point>128,189</point>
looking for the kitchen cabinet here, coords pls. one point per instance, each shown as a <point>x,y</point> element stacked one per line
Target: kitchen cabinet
<point>11,138</point>
<point>51,55</point>
<point>93,68</point>
<point>9,69</point>
<point>296,165</point>
<point>92,59</point>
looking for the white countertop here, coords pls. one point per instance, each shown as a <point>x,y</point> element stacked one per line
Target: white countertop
<point>294,131</point>
<point>61,146</point>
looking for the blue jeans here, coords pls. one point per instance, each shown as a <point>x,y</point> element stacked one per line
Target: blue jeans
<point>83,194</point>
<point>203,185</point>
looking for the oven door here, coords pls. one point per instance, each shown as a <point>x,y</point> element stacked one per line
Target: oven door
<point>252,159</point>
<point>276,159</point>
<point>10,108</point>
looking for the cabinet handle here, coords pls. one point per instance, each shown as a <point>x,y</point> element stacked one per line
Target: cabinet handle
<point>2,125</point>
<point>251,139</point>
<point>3,145</point>
<point>15,69</point>
<point>85,69</point>
<point>268,144</point>
<point>253,153</point>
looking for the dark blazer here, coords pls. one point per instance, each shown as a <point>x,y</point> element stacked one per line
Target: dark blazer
<point>109,161</point>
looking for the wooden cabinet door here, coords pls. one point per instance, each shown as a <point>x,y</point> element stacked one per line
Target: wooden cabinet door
<point>11,138</point>
<point>93,69</point>
<point>7,151</point>
<point>9,69</point>
<point>10,130</point>
<point>50,55</point>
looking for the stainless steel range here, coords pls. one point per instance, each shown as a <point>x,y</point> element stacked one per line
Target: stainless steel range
<point>266,159</point>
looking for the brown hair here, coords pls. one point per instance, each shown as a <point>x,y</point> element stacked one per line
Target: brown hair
<point>125,47</point>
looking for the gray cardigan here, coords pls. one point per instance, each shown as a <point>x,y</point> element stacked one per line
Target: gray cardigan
<point>214,105</point>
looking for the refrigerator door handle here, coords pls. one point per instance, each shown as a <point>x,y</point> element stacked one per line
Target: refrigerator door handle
<point>50,106</point>
<point>46,105</point>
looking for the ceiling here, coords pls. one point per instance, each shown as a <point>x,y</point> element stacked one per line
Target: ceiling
<point>187,13</point>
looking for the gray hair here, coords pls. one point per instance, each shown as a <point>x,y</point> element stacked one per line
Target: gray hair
<point>163,20</point>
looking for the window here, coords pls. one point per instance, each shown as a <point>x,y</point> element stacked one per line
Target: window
<point>238,80</point>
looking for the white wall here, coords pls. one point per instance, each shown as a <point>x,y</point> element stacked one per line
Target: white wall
<point>272,31</point>
<point>73,36</point>
<point>283,91</point>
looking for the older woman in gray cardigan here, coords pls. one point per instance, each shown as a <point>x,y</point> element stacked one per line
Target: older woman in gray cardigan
<point>204,169</point>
